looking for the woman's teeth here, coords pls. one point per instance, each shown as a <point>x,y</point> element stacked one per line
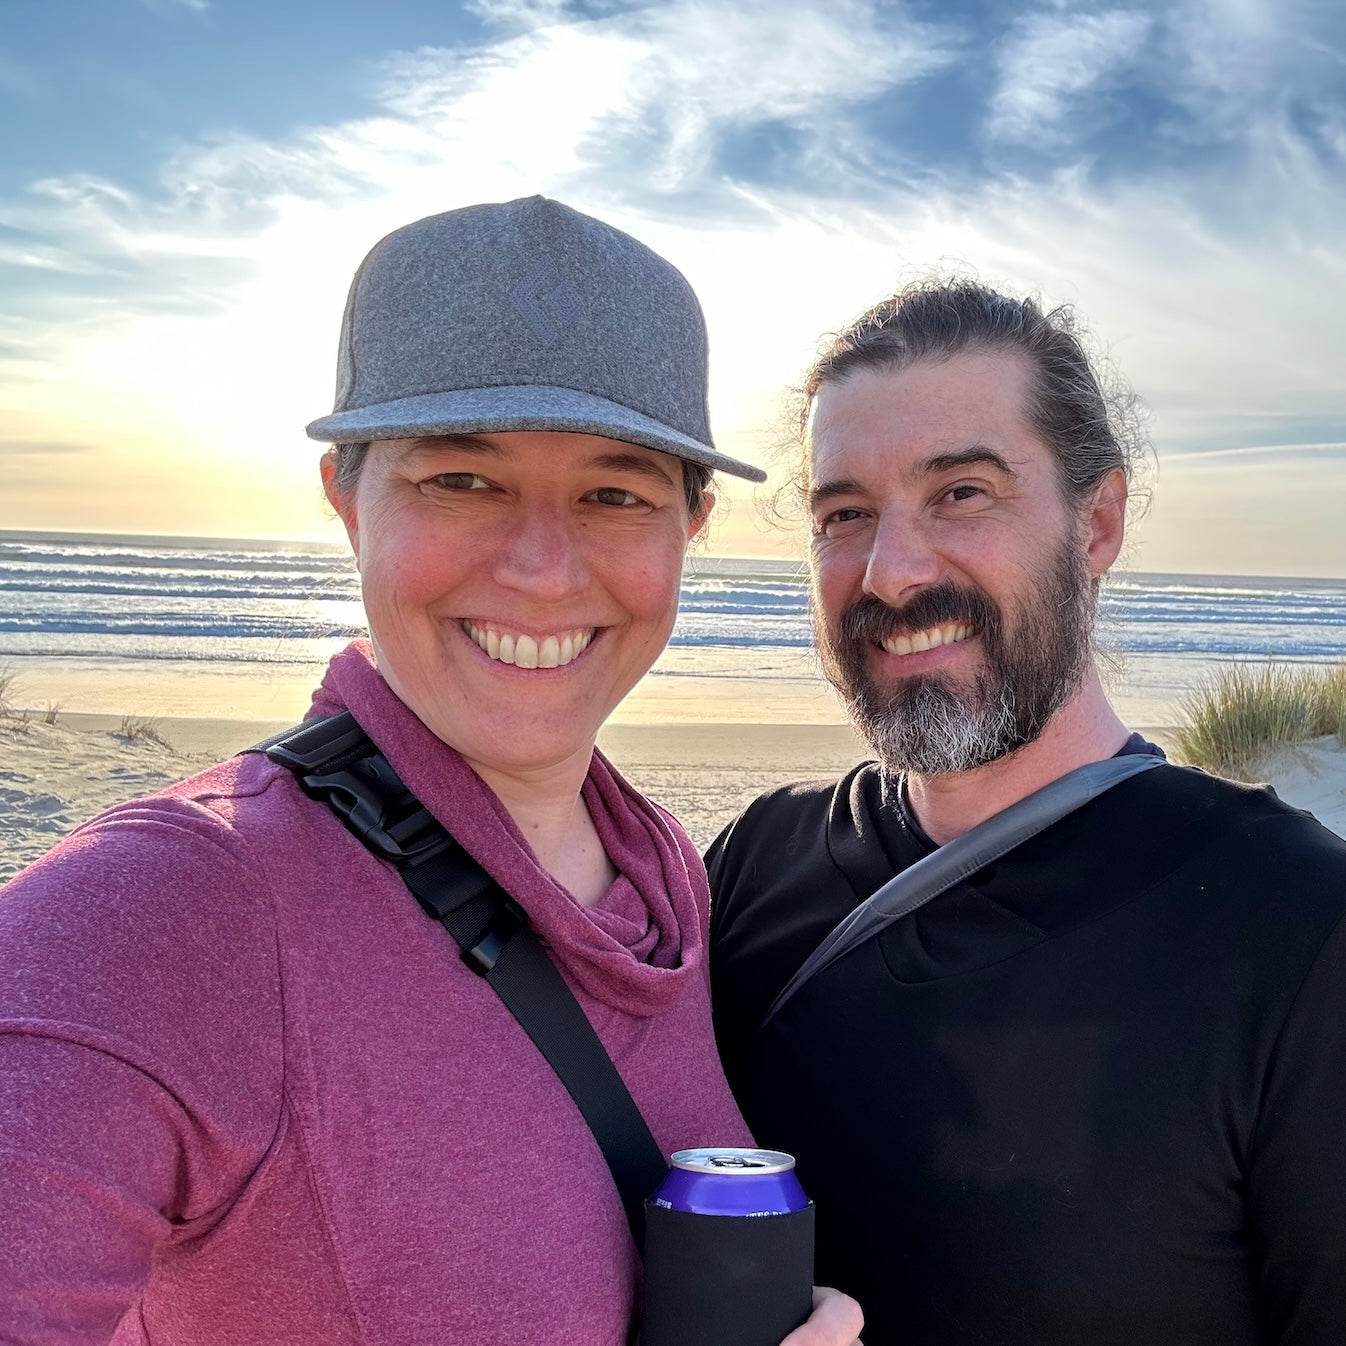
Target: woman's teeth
<point>927,640</point>
<point>525,651</point>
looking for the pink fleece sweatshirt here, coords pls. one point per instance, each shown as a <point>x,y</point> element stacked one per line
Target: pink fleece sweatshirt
<point>250,1095</point>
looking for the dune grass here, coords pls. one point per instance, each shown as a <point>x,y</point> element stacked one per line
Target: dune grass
<point>136,729</point>
<point>8,684</point>
<point>1244,712</point>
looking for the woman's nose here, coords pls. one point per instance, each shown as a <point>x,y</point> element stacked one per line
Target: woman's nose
<point>540,551</point>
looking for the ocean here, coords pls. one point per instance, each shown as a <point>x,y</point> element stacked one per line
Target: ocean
<point>196,626</point>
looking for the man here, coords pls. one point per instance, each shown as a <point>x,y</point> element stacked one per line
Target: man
<point>1095,1092</point>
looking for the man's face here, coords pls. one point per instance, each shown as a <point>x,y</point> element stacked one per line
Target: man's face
<point>953,591</point>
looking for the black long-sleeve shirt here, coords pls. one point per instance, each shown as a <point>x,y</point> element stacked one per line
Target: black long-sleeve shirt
<point>1094,1094</point>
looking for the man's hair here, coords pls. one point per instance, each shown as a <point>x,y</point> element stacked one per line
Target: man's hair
<point>1090,428</point>
<point>696,478</point>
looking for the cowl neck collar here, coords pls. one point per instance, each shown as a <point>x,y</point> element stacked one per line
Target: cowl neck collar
<point>637,947</point>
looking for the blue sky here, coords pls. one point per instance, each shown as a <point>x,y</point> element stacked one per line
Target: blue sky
<point>193,181</point>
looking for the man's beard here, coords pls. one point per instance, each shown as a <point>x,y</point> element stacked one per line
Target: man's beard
<point>931,725</point>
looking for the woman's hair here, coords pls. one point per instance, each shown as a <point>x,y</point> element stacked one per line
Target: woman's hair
<point>696,478</point>
<point>1091,424</point>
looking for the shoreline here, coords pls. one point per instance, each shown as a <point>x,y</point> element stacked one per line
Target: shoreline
<point>778,686</point>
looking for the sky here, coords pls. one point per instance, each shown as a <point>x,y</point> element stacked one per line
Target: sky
<point>186,187</point>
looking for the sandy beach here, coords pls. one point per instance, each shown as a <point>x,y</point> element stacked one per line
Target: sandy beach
<point>53,776</point>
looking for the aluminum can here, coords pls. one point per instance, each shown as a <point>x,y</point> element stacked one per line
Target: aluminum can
<point>731,1182</point>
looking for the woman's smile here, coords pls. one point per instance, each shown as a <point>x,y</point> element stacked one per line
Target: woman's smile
<point>527,651</point>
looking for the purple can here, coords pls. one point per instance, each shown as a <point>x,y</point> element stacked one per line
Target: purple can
<point>731,1182</point>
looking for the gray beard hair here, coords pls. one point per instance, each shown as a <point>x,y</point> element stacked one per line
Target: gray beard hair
<point>936,733</point>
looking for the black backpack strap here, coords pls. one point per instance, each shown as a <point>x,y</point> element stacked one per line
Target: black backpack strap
<point>336,763</point>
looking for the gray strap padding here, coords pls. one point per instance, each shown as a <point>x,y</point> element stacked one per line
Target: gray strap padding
<point>964,855</point>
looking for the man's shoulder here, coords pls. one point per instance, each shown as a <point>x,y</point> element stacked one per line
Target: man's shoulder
<point>803,806</point>
<point>1240,812</point>
<point>1220,848</point>
<point>809,795</point>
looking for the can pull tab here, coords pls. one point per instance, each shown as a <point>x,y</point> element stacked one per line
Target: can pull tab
<point>734,1161</point>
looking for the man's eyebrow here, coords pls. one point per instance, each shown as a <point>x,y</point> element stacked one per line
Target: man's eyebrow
<point>830,490</point>
<point>977,455</point>
<point>633,462</point>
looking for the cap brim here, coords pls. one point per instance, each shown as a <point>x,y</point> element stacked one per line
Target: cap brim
<point>520,407</point>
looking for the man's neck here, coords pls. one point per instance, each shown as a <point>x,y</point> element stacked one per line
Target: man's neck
<point>1086,729</point>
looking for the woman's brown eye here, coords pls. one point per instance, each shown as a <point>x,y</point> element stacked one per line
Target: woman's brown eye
<point>459,481</point>
<point>614,495</point>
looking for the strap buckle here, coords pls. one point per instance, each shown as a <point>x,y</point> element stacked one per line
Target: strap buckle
<point>356,795</point>
<point>484,953</point>
<point>337,764</point>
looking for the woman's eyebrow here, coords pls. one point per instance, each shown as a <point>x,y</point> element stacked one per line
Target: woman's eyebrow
<point>633,462</point>
<point>451,443</point>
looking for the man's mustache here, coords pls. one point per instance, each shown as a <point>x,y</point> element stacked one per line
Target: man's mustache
<point>871,619</point>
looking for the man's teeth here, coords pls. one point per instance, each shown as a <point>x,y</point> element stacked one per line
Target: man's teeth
<point>528,652</point>
<point>928,639</point>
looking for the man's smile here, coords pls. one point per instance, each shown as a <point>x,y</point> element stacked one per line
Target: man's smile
<point>951,633</point>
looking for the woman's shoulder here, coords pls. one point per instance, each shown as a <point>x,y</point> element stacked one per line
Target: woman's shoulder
<point>140,968</point>
<point>196,844</point>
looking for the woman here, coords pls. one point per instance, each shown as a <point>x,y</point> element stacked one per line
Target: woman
<point>250,1094</point>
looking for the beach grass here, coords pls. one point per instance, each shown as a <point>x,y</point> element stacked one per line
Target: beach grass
<point>138,729</point>
<point>8,683</point>
<point>1332,704</point>
<point>1240,714</point>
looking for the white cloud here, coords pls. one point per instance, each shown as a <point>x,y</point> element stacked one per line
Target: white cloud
<point>519,15</point>
<point>40,257</point>
<point>1051,60</point>
<point>670,78</point>
<point>1246,70</point>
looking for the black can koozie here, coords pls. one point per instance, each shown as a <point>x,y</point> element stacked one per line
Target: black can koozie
<point>728,1251</point>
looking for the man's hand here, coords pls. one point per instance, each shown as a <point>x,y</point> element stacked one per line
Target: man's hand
<point>836,1320</point>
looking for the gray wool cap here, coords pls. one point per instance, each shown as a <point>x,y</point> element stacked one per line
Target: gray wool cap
<point>523,316</point>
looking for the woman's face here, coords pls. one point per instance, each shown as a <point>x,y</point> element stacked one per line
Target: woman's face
<point>517,585</point>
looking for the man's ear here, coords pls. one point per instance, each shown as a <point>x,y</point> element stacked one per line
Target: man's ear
<point>343,502</point>
<point>1104,523</point>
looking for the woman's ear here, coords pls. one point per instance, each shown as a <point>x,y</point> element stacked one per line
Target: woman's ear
<point>343,502</point>
<point>698,521</point>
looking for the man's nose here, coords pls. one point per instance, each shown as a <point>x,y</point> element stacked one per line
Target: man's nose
<point>902,560</point>
<point>541,553</point>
